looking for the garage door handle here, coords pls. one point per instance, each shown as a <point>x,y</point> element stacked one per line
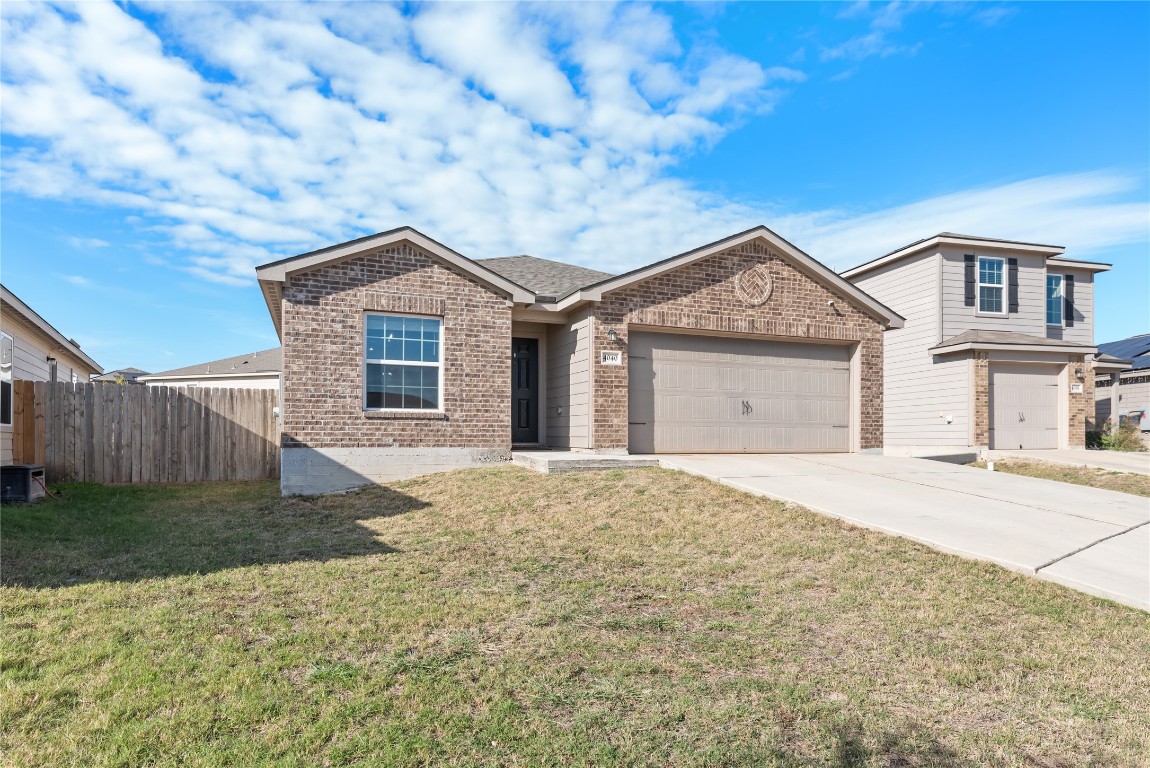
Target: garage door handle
<point>747,408</point>
<point>1021,417</point>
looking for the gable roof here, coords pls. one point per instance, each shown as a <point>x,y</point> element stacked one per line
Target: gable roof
<point>803,262</point>
<point>1007,340</point>
<point>952,238</point>
<point>554,285</point>
<point>271,276</point>
<point>267,361</point>
<point>546,278</point>
<point>16,310</point>
<point>1136,349</point>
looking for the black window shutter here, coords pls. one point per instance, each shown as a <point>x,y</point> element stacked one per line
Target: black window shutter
<point>1068,300</point>
<point>1013,269</point>
<point>969,259</point>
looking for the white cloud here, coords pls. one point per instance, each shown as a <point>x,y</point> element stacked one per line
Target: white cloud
<point>85,243</point>
<point>242,134</point>
<point>884,21</point>
<point>76,280</point>
<point>251,132</point>
<point>1082,211</point>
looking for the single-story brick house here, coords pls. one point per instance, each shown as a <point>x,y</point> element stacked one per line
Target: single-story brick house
<point>402,357</point>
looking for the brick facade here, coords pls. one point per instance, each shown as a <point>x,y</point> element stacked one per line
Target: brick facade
<point>703,296</point>
<point>323,337</point>
<point>1082,403</point>
<point>981,365</point>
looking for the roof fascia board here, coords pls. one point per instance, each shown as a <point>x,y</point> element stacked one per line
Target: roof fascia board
<point>982,346</point>
<point>806,264</point>
<point>1093,266</point>
<point>46,328</point>
<point>962,242</point>
<point>279,271</point>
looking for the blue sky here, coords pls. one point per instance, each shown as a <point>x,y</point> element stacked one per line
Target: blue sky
<point>154,154</point>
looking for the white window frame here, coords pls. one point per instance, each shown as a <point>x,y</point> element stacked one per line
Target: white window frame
<point>1000,286</point>
<point>365,361</point>
<point>1061,301</point>
<point>6,415</point>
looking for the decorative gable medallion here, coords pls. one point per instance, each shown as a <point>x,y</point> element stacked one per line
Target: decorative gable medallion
<point>754,284</point>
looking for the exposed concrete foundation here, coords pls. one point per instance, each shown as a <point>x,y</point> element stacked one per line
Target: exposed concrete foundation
<point>555,462</point>
<point>305,470</point>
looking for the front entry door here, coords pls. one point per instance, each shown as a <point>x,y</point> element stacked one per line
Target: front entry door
<point>524,391</point>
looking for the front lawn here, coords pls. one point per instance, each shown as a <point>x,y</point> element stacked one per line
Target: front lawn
<point>501,617</point>
<point>1123,482</point>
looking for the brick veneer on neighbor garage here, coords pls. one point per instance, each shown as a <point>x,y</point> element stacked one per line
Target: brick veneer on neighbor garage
<point>702,296</point>
<point>323,355</point>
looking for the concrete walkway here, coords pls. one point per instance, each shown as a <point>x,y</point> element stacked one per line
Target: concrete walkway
<point>1116,461</point>
<point>1089,539</point>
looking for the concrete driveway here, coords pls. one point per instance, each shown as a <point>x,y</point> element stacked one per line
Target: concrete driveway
<point>1089,539</point>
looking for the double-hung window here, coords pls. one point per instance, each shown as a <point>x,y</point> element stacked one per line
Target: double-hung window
<point>403,363</point>
<point>991,280</point>
<point>1054,300</point>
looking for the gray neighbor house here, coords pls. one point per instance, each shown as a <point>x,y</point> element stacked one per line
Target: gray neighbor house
<point>997,349</point>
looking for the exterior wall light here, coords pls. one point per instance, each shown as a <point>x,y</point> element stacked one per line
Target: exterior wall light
<point>612,335</point>
<point>1078,374</point>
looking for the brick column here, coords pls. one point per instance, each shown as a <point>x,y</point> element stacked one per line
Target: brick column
<point>981,399</point>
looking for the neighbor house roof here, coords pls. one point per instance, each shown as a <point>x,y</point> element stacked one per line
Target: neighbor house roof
<point>267,362</point>
<point>1007,340</point>
<point>15,310</point>
<point>546,278</point>
<point>1136,349</point>
<point>973,241</point>
<point>128,373</point>
<point>551,285</point>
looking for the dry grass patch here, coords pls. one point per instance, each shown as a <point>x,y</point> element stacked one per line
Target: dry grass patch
<point>500,617</point>
<point>1123,482</point>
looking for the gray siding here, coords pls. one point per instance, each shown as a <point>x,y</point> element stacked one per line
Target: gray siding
<point>917,388</point>
<point>569,384</point>
<point>30,360</point>
<point>958,318</point>
<point>1083,330</point>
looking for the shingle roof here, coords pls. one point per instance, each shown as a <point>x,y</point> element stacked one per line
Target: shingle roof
<point>1135,348</point>
<point>542,276</point>
<point>1005,338</point>
<point>266,361</point>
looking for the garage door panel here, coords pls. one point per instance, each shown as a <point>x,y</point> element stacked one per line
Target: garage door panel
<point>1024,406</point>
<point>698,393</point>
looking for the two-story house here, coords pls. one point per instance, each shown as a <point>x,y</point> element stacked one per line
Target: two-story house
<point>997,347</point>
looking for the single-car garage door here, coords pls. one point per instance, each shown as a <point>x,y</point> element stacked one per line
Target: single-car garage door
<point>709,394</point>
<point>1023,407</point>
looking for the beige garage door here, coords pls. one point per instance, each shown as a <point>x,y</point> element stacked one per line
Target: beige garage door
<point>704,394</point>
<point>1023,407</point>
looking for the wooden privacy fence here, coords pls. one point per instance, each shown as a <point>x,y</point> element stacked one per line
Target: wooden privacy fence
<point>105,432</point>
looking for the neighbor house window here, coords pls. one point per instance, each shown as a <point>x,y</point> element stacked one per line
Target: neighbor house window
<point>5,379</point>
<point>402,362</point>
<point>1054,300</point>
<point>990,284</point>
